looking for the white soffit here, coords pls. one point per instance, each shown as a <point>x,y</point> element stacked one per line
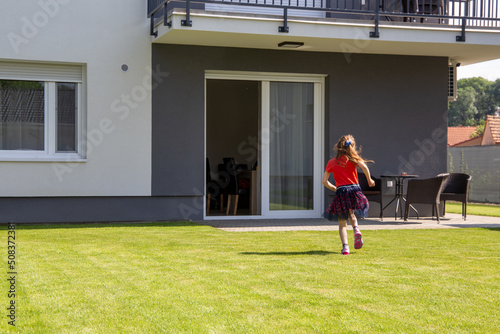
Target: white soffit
<point>321,36</point>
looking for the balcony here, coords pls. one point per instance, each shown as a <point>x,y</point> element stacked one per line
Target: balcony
<point>467,31</point>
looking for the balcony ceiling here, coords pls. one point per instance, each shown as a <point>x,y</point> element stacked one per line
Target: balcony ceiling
<point>245,31</point>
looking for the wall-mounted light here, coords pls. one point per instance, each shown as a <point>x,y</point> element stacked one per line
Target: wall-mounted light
<point>290,45</point>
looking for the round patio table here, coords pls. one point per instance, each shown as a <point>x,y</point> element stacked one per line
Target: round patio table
<point>399,193</point>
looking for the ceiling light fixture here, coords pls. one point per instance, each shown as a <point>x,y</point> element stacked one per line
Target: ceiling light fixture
<point>290,45</point>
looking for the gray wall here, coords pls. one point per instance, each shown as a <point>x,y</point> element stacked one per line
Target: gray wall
<point>95,209</point>
<point>395,106</point>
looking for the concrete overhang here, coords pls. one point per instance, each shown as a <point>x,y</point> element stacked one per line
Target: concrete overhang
<point>321,35</point>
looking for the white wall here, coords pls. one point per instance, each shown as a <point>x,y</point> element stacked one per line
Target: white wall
<point>102,35</point>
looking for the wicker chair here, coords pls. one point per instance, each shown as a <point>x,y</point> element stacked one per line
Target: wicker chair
<point>373,194</point>
<point>213,189</point>
<point>456,189</point>
<point>233,189</point>
<point>427,191</point>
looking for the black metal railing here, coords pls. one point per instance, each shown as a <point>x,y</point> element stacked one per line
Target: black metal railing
<point>462,13</point>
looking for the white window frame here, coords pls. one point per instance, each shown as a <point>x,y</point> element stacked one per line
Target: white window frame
<point>317,209</point>
<point>319,101</point>
<point>50,74</point>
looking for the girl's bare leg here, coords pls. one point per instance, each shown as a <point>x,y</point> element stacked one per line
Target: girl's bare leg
<point>343,231</point>
<point>352,219</point>
<point>343,236</point>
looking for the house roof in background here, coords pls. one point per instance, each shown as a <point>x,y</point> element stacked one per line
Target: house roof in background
<point>471,142</point>
<point>493,125</point>
<point>459,134</point>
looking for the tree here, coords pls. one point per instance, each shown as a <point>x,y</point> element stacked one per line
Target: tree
<point>486,103</point>
<point>463,110</point>
<point>495,92</point>
<point>479,130</point>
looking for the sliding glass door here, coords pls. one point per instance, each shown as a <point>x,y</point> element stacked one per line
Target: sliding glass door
<point>290,143</point>
<point>291,149</point>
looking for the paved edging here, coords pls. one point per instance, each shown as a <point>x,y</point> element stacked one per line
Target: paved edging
<point>269,225</point>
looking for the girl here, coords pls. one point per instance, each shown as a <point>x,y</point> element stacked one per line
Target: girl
<point>349,201</point>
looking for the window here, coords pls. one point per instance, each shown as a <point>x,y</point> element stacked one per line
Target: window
<point>67,109</point>
<point>40,112</point>
<point>22,105</point>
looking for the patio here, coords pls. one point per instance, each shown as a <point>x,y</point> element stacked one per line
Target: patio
<point>449,221</point>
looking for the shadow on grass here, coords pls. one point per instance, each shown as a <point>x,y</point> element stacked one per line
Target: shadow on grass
<point>316,252</point>
<point>43,226</point>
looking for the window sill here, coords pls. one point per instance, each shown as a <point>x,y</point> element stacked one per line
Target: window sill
<point>61,157</point>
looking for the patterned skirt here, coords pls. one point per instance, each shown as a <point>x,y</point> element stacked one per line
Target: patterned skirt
<point>347,198</point>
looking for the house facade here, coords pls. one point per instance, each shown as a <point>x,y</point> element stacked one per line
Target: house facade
<point>113,110</point>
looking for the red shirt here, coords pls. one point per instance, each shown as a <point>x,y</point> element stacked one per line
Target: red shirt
<point>344,173</point>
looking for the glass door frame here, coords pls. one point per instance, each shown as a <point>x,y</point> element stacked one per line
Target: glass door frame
<point>319,105</point>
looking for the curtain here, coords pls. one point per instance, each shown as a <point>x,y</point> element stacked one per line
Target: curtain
<point>291,146</point>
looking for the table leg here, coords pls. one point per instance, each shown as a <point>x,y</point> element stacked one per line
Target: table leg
<point>399,194</point>
<point>397,208</point>
<point>404,199</point>
<point>385,207</point>
<point>397,198</point>
<point>253,193</point>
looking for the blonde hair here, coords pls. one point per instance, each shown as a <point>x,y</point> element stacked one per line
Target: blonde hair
<point>347,146</point>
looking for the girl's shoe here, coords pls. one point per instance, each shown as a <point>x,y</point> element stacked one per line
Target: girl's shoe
<point>345,250</point>
<point>358,240</point>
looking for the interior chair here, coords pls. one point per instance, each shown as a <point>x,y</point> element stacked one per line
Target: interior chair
<point>373,194</point>
<point>436,7</point>
<point>456,188</point>
<point>426,191</point>
<point>233,189</point>
<point>212,189</point>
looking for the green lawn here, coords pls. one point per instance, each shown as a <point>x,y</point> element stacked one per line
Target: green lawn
<point>474,209</point>
<point>185,278</point>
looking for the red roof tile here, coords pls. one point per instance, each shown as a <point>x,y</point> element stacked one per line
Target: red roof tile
<point>458,134</point>
<point>493,127</point>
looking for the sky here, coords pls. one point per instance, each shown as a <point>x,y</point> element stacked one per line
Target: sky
<point>489,70</point>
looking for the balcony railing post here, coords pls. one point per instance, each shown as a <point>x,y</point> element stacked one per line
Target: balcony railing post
<point>187,22</point>
<point>376,34</point>
<point>461,38</point>
<point>284,27</point>
<point>166,22</point>
<point>152,31</point>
